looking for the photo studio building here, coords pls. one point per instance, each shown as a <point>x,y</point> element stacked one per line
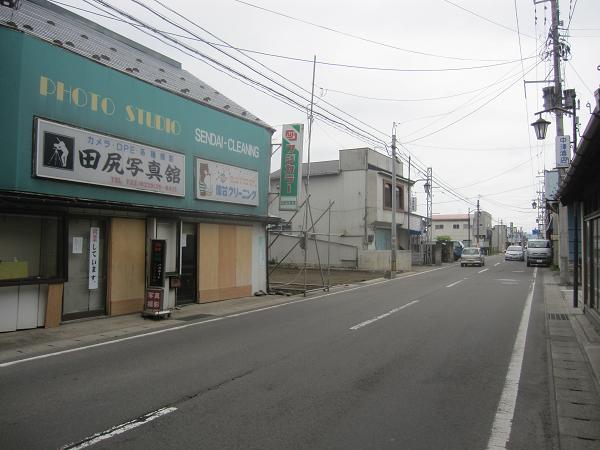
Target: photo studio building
<point>119,172</point>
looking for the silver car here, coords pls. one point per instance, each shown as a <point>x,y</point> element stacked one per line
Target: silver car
<point>472,256</point>
<point>514,253</point>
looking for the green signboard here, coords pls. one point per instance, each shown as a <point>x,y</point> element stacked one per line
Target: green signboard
<point>291,167</point>
<point>47,82</point>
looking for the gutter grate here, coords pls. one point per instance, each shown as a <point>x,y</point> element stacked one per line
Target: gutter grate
<point>558,316</point>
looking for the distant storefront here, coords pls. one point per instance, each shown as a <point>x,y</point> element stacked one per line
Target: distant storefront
<point>581,192</point>
<point>108,147</point>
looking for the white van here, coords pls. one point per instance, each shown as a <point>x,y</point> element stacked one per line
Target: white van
<point>539,252</point>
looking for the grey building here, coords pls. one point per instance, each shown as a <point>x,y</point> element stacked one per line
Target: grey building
<point>360,185</point>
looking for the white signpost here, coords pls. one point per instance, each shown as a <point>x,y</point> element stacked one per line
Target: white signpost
<point>563,151</point>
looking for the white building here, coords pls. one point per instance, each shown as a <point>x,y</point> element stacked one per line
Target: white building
<point>463,227</point>
<point>360,185</point>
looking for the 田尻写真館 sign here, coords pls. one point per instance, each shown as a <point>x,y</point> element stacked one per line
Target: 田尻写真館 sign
<point>83,156</point>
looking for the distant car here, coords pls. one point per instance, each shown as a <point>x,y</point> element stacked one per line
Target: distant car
<point>514,253</point>
<point>472,256</point>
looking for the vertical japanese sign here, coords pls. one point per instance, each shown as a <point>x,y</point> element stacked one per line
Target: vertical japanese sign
<point>158,252</point>
<point>94,257</point>
<point>291,167</point>
<point>563,151</point>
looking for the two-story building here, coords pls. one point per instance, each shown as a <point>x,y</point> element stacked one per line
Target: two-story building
<point>360,185</point>
<point>466,228</point>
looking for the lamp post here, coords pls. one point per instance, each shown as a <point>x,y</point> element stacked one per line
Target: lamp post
<point>394,243</point>
<point>541,127</point>
<point>428,190</point>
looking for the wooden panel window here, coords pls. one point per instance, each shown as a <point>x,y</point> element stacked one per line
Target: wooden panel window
<point>387,196</point>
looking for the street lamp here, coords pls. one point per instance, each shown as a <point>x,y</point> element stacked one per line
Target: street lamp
<point>427,187</point>
<point>540,126</point>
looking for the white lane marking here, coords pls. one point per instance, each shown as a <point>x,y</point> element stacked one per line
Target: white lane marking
<point>383,316</point>
<point>502,425</point>
<point>456,282</point>
<point>497,264</point>
<point>484,270</point>
<point>118,429</point>
<point>506,279</point>
<point>216,319</point>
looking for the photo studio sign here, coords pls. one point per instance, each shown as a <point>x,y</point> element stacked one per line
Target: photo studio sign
<point>83,156</point>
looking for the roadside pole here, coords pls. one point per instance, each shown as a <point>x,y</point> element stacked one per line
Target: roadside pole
<point>393,234</point>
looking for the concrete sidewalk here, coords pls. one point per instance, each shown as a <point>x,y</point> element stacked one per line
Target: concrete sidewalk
<point>575,360</point>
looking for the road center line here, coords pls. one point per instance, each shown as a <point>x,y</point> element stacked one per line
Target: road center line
<point>119,429</point>
<point>505,413</point>
<point>216,319</point>
<point>484,270</point>
<point>383,316</point>
<point>455,283</point>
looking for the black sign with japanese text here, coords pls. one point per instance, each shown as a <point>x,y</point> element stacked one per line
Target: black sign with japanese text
<point>158,252</point>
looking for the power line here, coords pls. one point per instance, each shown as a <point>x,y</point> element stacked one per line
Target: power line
<point>371,41</point>
<point>252,59</point>
<point>487,19</point>
<point>466,115</point>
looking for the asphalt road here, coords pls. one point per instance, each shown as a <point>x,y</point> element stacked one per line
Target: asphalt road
<point>416,362</point>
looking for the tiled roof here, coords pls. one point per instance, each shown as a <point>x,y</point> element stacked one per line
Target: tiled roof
<point>60,27</point>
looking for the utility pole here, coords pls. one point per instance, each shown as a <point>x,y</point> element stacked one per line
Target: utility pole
<point>477,235</point>
<point>409,210</point>
<point>429,245</point>
<point>393,238</point>
<point>469,226</point>
<point>563,226</point>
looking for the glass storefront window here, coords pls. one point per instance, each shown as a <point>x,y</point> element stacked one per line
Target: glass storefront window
<point>30,247</point>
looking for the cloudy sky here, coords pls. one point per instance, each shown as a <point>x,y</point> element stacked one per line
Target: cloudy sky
<point>449,74</point>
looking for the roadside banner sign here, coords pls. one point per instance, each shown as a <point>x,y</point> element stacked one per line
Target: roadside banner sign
<point>551,182</point>
<point>563,151</point>
<point>94,258</point>
<point>291,167</point>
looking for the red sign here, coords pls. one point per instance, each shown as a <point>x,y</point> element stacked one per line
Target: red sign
<point>154,299</point>
<point>291,135</point>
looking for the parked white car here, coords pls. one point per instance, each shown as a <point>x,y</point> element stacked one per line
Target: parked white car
<point>539,252</point>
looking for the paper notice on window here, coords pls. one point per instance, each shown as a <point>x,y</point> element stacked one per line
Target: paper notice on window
<point>77,245</point>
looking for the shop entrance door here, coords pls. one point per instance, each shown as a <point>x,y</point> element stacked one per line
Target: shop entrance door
<point>80,298</point>
<point>186,293</point>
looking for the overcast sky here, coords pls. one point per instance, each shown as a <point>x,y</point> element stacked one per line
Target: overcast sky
<point>448,73</point>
